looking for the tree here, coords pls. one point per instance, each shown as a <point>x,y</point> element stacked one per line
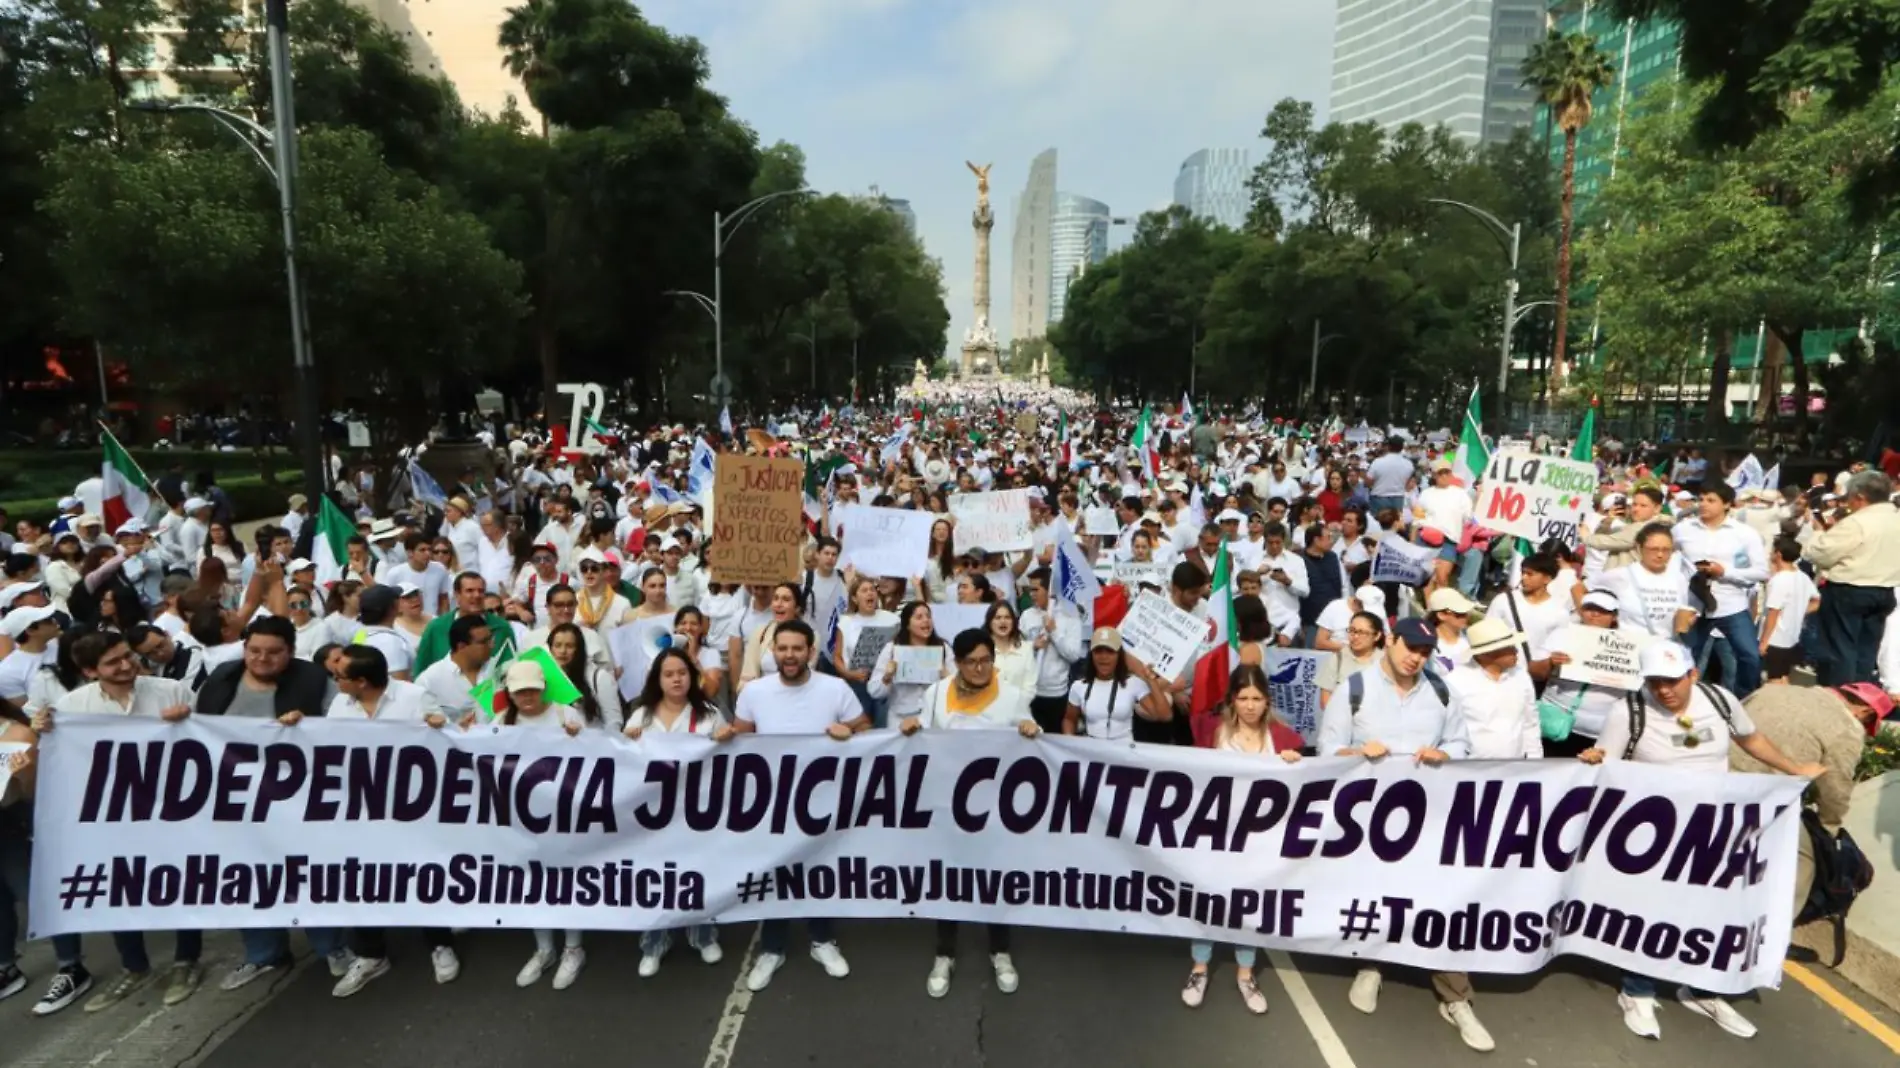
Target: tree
<point>1566,70</point>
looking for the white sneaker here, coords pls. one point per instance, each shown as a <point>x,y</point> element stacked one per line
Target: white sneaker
<point>537,965</point>
<point>1639,1015</point>
<point>1006,977</point>
<point>649,965</point>
<point>447,964</point>
<point>826,953</point>
<point>362,970</point>
<point>939,982</point>
<point>1365,991</point>
<point>762,971</point>
<point>244,975</point>
<point>1460,1014</point>
<point>1719,1010</point>
<point>339,962</point>
<point>573,959</point>
<point>1195,990</point>
<point>711,953</point>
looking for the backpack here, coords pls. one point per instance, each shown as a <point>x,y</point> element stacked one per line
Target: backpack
<point>1356,690</point>
<point>1841,872</point>
<point>1638,720</point>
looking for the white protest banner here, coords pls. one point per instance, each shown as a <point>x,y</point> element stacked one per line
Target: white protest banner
<point>950,620</point>
<point>1357,435</point>
<point>1132,574</point>
<point>1100,522</point>
<point>7,751</point>
<point>871,641</point>
<point>1398,560</point>
<point>214,824</point>
<point>634,645</point>
<point>1162,636</point>
<point>884,542</point>
<point>1293,678</point>
<point>1603,658</point>
<point>996,522</point>
<point>1535,497</point>
<point>917,665</point>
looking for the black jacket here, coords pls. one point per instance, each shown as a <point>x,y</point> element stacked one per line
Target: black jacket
<point>301,688</point>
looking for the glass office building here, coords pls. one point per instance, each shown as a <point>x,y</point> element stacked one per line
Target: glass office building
<point>1078,238</point>
<point>1453,63</point>
<point>1212,184</point>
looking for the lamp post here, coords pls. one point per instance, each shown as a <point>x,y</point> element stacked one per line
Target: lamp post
<point>1312,376</point>
<point>282,168</point>
<point>1512,238</point>
<point>811,346</point>
<point>724,226</point>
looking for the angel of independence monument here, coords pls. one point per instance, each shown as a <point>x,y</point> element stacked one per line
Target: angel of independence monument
<point>980,352</point>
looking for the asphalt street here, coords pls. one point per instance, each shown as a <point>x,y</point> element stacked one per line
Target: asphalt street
<point>1086,1000</point>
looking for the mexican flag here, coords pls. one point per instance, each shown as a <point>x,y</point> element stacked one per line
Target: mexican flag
<point>124,491</point>
<point>817,479</point>
<point>1062,439</point>
<point>1144,445</point>
<point>1217,663</point>
<point>1473,457</point>
<point>1585,448</point>
<point>328,550</point>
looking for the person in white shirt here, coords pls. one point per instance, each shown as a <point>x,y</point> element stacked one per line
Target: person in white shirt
<point>376,611</point>
<point>463,532</point>
<point>35,633</point>
<point>854,647</point>
<point>562,532</point>
<point>494,558</point>
<point>421,570</point>
<point>542,574</point>
<point>1654,591</point>
<point>915,628</point>
<point>1283,576</point>
<point>1055,632</point>
<point>797,700</point>
<point>1728,555</point>
<point>1686,723</point>
<point>1449,614</point>
<point>1785,605</point>
<point>1581,707</point>
<point>974,698</point>
<point>1119,688</point>
<point>1496,696</point>
<point>598,606</point>
<point>452,681</point>
<point>1388,477</point>
<point>1534,609</point>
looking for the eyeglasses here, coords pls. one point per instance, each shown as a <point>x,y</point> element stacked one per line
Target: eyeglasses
<point>441,552</point>
<point>1362,632</point>
<point>978,662</point>
<point>542,558</point>
<point>588,569</point>
<point>300,604</point>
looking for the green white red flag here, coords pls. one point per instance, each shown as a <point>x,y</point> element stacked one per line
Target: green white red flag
<point>124,491</point>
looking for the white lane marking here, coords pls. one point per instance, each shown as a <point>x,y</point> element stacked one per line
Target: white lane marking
<point>1331,1049</point>
<point>726,1036</point>
<point>114,1045</point>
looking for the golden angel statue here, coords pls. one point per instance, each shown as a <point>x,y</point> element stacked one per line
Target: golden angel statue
<point>982,180</point>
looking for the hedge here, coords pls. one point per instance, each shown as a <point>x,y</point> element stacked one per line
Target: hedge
<point>250,499</point>
<point>52,473</point>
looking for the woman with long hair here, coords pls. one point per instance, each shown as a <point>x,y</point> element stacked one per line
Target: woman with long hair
<point>62,569</point>
<point>1118,690</point>
<point>690,626</point>
<point>1248,726</point>
<point>525,706</point>
<point>599,703</point>
<point>940,576</point>
<point>914,629</point>
<point>1015,658</point>
<point>973,588</point>
<point>788,603</point>
<point>1332,499</point>
<point>340,609</point>
<point>674,701</point>
<point>866,613</point>
<point>653,600</point>
<point>223,546</point>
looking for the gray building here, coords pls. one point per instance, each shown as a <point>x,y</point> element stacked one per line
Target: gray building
<point>1078,238</point>
<point>1029,251</point>
<point>1212,184</point>
<point>902,209</point>
<point>1435,62</point>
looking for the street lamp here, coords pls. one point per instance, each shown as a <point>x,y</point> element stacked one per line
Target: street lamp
<point>1312,379</point>
<point>282,168</point>
<point>724,227</point>
<point>811,345</point>
<point>1514,233</point>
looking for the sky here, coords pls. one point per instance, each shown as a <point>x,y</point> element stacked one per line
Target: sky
<point>898,94</point>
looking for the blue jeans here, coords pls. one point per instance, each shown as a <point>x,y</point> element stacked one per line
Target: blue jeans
<point>271,945</point>
<point>1203,952</point>
<point>773,934</point>
<point>1380,504</point>
<point>656,943</point>
<point>1639,986</point>
<point>1470,572</point>
<point>16,858</point>
<point>1738,630</point>
<point>871,706</point>
<point>188,947</point>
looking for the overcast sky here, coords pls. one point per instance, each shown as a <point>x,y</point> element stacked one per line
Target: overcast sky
<point>899,93</point>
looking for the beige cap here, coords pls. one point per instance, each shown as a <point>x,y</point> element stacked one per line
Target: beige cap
<point>1106,638</point>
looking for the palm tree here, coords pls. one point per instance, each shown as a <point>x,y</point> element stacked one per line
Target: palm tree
<point>524,43</point>
<point>1565,70</point>
<point>524,39</point>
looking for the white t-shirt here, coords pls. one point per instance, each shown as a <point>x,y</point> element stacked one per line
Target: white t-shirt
<point>398,652</point>
<point>403,702</point>
<point>1446,509</point>
<point>683,724</point>
<point>808,708</point>
<point>1108,710</point>
<point>433,581</point>
<point>1789,591</point>
<point>1650,600</point>
<point>16,671</point>
<point>1537,621</point>
<point>1664,741</point>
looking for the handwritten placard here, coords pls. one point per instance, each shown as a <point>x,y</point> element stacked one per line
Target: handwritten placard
<point>1535,497</point>
<point>1134,575</point>
<point>1601,657</point>
<point>917,665</point>
<point>996,522</point>
<point>950,620</point>
<point>759,528</point>
<point>1402,562</point>
<point>871,641</point>
<point>1100,522</point>
<point>884,542</point>
<point>7,752</point>
<point>1163,636</point>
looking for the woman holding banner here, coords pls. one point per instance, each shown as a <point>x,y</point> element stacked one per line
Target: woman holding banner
<point>1248,726</point>
<point>526,708</point>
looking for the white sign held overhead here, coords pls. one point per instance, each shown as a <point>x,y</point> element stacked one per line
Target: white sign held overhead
<point>1402,562</point>
<point>996,522</point>
<point>1162,636</point>
<point>884,542</point>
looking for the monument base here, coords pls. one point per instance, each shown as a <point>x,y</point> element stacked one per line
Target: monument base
<point>979,360</point>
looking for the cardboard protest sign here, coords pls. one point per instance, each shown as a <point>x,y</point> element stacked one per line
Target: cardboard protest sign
<point>918,665</point>
<point>1100,522</point>
<point>884,542</point>
<point>1535,497</point>
<point>759,530</point>
<point>996,522</point>
<point>1163,636</point>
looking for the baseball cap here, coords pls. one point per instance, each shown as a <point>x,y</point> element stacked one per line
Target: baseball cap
<point>130,527</point>
<point>18,620</point>
<point>1106,638</point>
<point>1371,599</point>
<point>1665,660</point>
<point>590,555</point>
<point>16,591</point>
<point>377,600</point>
<point>67,504</point>
<point>1229,516</point>
<point>1413,631</point>
<point>408,589</point>
<point>1446,599</point>
<point>1866,693</point>
<point>195,504</point>
<point>525,675</point>
<point>1602,600</point>
<point>299,564</point>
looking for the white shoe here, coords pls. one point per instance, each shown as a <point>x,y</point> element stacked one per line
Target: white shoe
<point>649,965</point>
<point>447,964</point>
<point>1719,1010</point>
<point>1639,1015</point>
<point>339,962</point>
<point>711,953</point>
<point>362,970</point>
<point>1006,977</point>
<point>573,959</point>
<point>939,982</point>
<point>243,975</point>
<point>826,953</point>
<point>1195,990</point>
<point>762,971</point>
<point>1459,1014</point>
<point>1365,991</point>
<point>537,966</point>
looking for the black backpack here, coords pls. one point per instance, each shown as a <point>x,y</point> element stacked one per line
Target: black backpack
<point>1841,872</point>
<point>1356,690</point>
<point>1639,719</point>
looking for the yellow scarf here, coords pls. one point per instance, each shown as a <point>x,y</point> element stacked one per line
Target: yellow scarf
<point>955,702</point>
<point>592,612</point>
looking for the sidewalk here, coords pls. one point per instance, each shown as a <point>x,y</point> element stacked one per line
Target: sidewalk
<point>1873,927</point>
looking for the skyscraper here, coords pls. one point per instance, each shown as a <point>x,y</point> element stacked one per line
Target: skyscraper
<point>1435,62</point>
<point>1212,184</point>
<point>459,41</point>
<point>1642,53</point>
<point>904,213</point>
<point>1029,250</point>
<point>1078,235</point>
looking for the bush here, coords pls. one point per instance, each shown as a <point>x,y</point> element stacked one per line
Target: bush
<point>52,473</point>
<point>1882,755</point>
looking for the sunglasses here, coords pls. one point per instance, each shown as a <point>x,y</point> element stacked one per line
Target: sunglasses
<point>300,604</point>
<point>588,569</point>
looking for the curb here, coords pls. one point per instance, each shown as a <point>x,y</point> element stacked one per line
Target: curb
<point>1872,968</point>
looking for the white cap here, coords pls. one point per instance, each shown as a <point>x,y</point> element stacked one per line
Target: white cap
<point>195,504</point>
<point>299,564</point>
<point>66,503</point>
<point>1371,599</point>
<point>590,555</point>
<point>19,619</point>
<point>1602,600</point>
<point>130,526</point>
<point>1446,599</point>
<point>407,589</point>
<point>1229,515</point>
<point>1666,660</point>
<point>16,591</point>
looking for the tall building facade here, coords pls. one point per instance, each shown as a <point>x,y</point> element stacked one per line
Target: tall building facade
<point>1029,251</point>
<point>1643,53</point>
<point>1435,62</point>
<point>1212,184</point>
<point>459,41</point>
<point>905,214</point>
<point>1078,238</point>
